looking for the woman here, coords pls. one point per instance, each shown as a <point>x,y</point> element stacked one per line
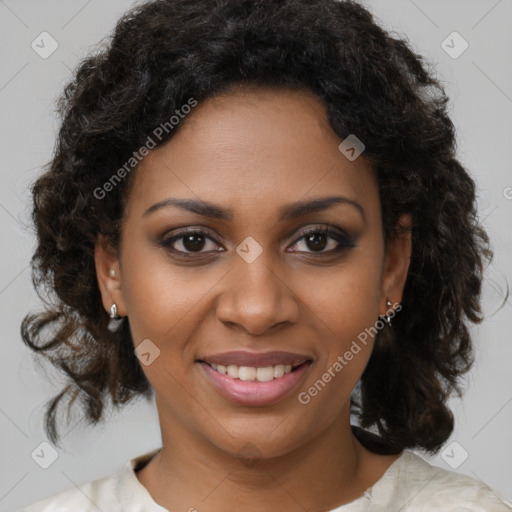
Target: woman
<point>255,211</point>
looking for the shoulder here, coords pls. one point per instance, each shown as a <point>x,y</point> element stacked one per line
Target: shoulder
<point>421,486</point>
<point>99,494</point>
<point>116,492</point>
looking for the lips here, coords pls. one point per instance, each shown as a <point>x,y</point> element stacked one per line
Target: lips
<point>241,377</point>
<point>243,358</point>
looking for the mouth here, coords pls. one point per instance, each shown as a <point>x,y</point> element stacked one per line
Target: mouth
<point>255,379</point>
<point>256,373</point>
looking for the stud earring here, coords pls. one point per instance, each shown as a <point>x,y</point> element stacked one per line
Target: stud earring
<point>386,317</point>
<point>392,312</point>
<point>115,320</point>
<point>112,273</point>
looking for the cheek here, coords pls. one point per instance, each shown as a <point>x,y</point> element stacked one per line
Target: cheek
<point>346,308</point>
<point>347,298</point>
<point>157,294</point>
<point>163,305</point>
<point>167,304</point>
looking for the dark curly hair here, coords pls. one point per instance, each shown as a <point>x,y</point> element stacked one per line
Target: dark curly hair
<point>164,52</point>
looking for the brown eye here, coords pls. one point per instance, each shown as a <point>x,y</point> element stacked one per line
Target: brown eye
<point>193,243</point>
<point>318,239</point>
<point>188,241</point>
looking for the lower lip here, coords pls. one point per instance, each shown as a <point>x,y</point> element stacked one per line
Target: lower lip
<point>254,392</point>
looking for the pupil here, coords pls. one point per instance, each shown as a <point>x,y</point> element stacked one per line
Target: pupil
<point>316,245</point>
<point>190,245</point>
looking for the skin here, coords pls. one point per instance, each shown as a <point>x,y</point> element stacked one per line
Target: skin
<point>254,150</point>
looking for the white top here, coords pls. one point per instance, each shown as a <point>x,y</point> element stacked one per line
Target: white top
<point>410,484</point>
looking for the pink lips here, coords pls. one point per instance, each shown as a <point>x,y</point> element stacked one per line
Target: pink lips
<point>255,393</point>
<point>244,358</point>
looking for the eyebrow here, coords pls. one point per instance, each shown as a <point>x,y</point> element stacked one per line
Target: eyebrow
<point>286,213</point>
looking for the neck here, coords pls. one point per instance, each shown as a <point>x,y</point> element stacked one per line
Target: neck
<point>321,474</point>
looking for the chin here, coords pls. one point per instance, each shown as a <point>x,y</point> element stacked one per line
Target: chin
<point>262,440</point>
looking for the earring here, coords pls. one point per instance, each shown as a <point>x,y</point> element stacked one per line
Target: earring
<point>387,317</point>
<point>112,273</point>
<point>113,311</point>
<point>115,320</point>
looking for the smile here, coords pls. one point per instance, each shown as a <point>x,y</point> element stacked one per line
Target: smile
<point>255,381</point>
<point>252,373</point>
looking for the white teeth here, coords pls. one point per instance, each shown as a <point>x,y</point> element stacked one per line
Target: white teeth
<point>265,374</point>
<point>232,371</point>
<point>247,373</point>
<point>251,373</point>
<point>278,371</point>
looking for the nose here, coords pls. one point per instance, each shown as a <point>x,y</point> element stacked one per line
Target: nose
<point>257,297</point>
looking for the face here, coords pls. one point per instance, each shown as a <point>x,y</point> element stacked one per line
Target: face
<point>224,267</point>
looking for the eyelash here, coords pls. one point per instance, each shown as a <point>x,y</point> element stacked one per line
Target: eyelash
<point>345,241</point>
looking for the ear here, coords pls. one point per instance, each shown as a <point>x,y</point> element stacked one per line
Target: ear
<point>396,265</point>
<point>108,273</point>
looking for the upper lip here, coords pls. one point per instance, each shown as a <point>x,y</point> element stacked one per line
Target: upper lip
<point>261,359</point>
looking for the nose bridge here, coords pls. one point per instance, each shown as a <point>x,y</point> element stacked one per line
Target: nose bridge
<point>256,296</point>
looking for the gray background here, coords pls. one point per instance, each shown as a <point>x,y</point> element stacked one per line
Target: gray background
<point>479,84</point>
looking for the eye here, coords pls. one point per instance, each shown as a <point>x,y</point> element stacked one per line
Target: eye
<point>318,238</point>
<point>188,241</point>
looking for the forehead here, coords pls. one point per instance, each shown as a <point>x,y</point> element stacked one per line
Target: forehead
<point>253,148</point>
